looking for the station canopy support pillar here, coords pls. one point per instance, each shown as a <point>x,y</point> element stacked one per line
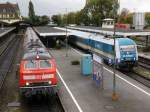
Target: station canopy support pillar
<point>2,25</point>
<point>147,40</point>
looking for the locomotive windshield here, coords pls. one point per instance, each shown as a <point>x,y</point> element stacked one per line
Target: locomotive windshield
<point>31,64</point>
<point>127,48</point>
<point>45,64</point>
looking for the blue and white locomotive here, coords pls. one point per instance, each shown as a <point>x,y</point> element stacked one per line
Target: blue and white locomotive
<point>126,49</point>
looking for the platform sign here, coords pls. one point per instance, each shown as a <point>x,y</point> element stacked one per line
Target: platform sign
<point>97,70</point>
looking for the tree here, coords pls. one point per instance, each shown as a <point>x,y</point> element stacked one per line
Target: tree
<point>101,8</point>
<point>44,20</point>
<point>92,14</point>
<point>147,18</point>
<point>126,17</point>
<point>31,12</point>
<point>57,19</point>
<point>127,20</point>
<point>124,12</point>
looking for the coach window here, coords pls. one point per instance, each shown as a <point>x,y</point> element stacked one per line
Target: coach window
<point>31,65</point>
<point>45,64</point>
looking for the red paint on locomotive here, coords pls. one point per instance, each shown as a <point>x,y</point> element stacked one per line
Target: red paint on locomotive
<point>38,74</point>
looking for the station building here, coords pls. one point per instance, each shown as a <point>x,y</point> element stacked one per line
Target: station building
<point>9,13</point>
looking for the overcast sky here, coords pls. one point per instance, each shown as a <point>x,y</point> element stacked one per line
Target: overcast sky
<point>50,7</point>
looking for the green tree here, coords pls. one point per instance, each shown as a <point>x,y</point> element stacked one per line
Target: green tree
<point>31,12</point>
<point>57,19</point>
<point>147,18</point>
<point>101,9</point>
<point>77,18</point>
<point>128,19</point>
<point>92,14</point>
<point>44,20</point>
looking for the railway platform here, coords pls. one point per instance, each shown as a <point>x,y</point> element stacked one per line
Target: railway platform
<point>79,93</point>
<point>4,31</point>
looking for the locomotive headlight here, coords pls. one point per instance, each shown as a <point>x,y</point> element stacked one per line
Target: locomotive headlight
<point>27,84</point>
<point>50,82</point>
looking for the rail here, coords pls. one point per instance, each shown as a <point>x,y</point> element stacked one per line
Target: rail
<point>6,59</point>
<point>144,62</point>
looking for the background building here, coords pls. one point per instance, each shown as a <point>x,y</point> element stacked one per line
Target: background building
<point>9,13</point>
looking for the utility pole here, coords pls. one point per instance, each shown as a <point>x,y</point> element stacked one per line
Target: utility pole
<point>114,94</point>
<point>66,34</point>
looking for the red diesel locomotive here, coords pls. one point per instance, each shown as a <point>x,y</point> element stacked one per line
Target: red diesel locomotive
<point>37,68</point>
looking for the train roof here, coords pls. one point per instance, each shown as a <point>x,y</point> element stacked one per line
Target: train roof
<point>126,41</point>
<point>32,39</point>
<point>32,55</point>
<point>34,48</point>
<point>104,39</point>
<point>96,37</point>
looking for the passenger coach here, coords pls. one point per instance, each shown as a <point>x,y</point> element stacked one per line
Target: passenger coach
<point>125,48</point>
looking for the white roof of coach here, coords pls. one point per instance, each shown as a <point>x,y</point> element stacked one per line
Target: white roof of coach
<point>96,37</point>
<point>103,39</point>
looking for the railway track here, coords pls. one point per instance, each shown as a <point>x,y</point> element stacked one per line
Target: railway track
<point>5,43</point>
<point>6,58</point>
<point>43,103</point>
<point>144,62</point>
<point>139,78</point>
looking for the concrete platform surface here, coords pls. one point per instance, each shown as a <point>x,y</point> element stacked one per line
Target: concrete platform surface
<point>5,30</point>
<point>80,94</point>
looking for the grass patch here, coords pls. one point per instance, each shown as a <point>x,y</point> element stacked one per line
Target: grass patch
<point>75,62</point>
<point>143,72</point>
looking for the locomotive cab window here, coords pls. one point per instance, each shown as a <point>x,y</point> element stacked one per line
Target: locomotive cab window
<point>30,64</point>
<point>45,64</point>
<point>127,48</point>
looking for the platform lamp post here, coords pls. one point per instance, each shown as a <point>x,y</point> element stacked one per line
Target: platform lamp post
<point>114,94</point>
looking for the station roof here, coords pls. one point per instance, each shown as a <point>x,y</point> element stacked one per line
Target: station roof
<point>107,31</point>
<point>49,31</point>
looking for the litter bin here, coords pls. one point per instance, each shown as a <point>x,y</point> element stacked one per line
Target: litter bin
<point>86,65</point>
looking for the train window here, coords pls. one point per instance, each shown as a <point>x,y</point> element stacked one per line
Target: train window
<point>30,64</point>
<point>45,64</point>
<point>127,48</point>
